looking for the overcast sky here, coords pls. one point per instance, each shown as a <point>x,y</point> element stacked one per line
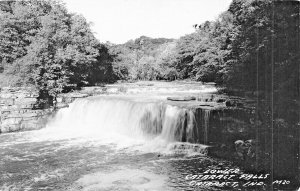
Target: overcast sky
<point>118,21</point>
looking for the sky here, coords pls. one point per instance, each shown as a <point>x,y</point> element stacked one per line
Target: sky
<point>118,21</point>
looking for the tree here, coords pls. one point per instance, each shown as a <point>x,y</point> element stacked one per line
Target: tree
<point>44,45</point>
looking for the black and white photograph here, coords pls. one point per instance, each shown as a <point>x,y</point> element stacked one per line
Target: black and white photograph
<point>149,95</point>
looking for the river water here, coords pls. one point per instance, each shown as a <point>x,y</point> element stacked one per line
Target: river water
<point>128,141</point>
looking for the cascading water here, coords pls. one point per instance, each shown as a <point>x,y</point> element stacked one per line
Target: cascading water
<point>138,141</point>
<point>135,141</point>
<point>206,125</point>
<point>156,125</point>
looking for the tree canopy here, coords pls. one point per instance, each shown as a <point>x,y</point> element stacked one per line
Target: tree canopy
<point>44,45</point>
<point>249,47</point>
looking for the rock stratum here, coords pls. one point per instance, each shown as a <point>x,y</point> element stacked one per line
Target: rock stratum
<point>18,110</point>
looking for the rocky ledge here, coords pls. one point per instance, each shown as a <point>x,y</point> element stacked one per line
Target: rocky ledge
<point>18,110</point>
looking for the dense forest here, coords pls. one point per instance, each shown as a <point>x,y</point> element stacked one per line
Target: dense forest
<point>253,46</point>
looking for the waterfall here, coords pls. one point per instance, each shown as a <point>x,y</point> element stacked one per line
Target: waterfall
<point>206,125</point>
<point>119,119</point>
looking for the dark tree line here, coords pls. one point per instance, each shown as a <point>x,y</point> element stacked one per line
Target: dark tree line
<point>264,59</point>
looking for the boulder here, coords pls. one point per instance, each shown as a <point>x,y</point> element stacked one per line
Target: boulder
<point>230,103</point>
<point>61,105</point>
<point>186,98</point>
<point>220,100</point>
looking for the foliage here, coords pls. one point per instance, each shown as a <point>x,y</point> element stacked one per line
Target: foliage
<point>42,44</point>
<point>248,47</point>
<point>140,59</point>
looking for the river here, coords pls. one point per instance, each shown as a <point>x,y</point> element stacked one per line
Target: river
<point>134,140</point>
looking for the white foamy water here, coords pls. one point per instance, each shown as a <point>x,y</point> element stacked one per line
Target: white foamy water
<point>149,126</point>
<point>125,179</point>
<point>143,121</point>
<point>110,142</point>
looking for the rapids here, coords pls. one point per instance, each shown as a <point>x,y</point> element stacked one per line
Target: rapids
<point>135,140</point>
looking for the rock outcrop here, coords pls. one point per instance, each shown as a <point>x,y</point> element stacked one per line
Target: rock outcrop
<point>18,111</point>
